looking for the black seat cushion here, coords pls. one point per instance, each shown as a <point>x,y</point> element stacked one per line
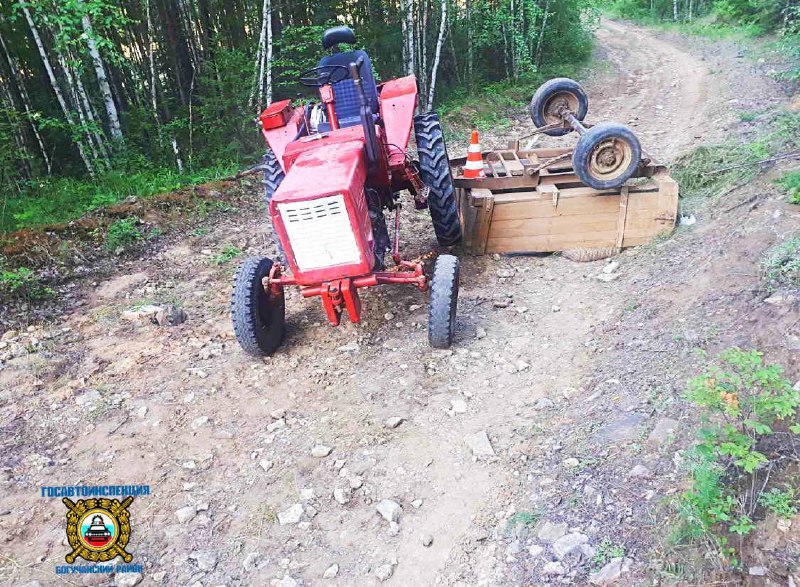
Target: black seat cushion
<point>346,99</point>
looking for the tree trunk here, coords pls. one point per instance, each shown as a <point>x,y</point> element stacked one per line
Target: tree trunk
<point>675,10</point>
<point>410,36</point>
<point>439,41</point>
<point>56,88</point>
<point>540,42</point>
<point>102,81</point>
<point>26,101</point>
<point>470,80</point>
<point>154,84</point>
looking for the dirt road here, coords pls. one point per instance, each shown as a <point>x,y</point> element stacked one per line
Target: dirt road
<point>567,376</point>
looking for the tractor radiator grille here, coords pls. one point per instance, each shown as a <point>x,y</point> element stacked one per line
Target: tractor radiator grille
<point>319,232</point>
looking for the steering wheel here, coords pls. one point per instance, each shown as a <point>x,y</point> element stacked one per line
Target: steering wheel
<point>324,75</point>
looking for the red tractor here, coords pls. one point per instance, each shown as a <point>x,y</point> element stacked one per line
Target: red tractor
<point>333,168</point>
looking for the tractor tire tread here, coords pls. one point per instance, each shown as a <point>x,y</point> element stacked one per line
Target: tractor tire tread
<point>435,173</point>
<point>273,175</point>
<point>254,339</point>
<point>443,301</point>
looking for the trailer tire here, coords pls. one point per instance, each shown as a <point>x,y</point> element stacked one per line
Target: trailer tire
<point>259,318</point>
<point>550,96</point>
<point>606,156</point>
<point>273,176</point>
<point>444,299</point>
<point>434,170</point>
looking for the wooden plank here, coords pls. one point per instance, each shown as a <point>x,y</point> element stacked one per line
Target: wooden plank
<point>542,208</point>
<point>549,243</point>
<point>566,225</point>
<point>511,163</point>
<point>468,214</point>
<point>623,215</point>
<point>483,223</point>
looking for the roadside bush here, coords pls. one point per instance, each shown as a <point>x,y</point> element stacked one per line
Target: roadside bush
<point>781,264</point>
<point>790,183</point>
<point>744,404</point>
<point>122,233</point>
<point>21,283</point>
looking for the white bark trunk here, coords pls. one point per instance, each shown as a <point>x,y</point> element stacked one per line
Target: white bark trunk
<point>26,102</point>
<point>56,88</point>
<point>268,90</point>
<point>675,10</point>
<point>410,36</point>
<point>437,56</point>
<point>102,80</point>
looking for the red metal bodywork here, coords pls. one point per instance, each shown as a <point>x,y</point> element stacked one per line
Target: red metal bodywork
<point>333,163</point>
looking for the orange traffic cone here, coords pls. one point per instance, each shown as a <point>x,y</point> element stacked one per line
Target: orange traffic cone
<point>474,167</point>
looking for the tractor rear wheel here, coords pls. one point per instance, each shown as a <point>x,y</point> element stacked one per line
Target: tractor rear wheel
<point>553,96</point>
<point>259,317</point>
<point>606,156</point>
<point>273,175</point>
<point>434,170</point>
<point>444,299</point>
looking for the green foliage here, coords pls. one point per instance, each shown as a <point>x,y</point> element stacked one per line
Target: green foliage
<point>781,264</point>
<point>21,283</point>
<point>529,519</point>
<point>606,551</point>
<point>122,233</point>
<point>743,400</point>
<point>62,199</point>
<point>228,253</point>
<point>790,183</point>
<point>783,504</point>
<point>712,170</point>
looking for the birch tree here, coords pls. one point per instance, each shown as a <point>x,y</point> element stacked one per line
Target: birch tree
<point>102,81</point>
<point>438,54</point>
<point>56,87</point>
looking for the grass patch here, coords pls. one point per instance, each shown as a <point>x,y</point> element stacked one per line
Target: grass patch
<point>122,233</point>
<point>53,200</point>
<point>529,519</point>
<point>747,408</point>
<point>781,264</point>
<point>712,170</point>
<point>790,184</point>
<point>606,551</point>
<point>21,283</point>
<point>228,253</point>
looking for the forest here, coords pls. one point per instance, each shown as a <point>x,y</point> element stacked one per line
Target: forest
<point>101,100</point>
<point>144,95</point>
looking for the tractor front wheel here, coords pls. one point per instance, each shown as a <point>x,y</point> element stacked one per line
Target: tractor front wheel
<point>434,170</point>
<point>606,156</point>
<point>444,299</point>
<point>258,316</point>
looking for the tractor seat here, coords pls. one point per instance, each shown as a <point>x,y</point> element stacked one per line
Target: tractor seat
<point>346,99</point>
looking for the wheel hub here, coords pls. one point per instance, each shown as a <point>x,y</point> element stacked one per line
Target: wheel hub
<point>610,158</point>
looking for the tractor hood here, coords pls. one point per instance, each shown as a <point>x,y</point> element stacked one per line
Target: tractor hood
<point>323,167</point>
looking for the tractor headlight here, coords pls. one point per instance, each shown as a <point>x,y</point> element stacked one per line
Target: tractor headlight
<point>319,232</point>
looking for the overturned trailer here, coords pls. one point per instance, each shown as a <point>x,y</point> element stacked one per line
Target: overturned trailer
<point>532,201</point>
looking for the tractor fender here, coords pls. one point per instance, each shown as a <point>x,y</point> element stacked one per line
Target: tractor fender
<point>398,98</point>
<point>278,138</point>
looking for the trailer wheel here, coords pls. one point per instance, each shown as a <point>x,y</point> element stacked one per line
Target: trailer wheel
<point>444,298</point>
<point>259,318</point>
<point>551,97</point>
<point>434,170</point>
<point>273,175</point>
<point>606,156</point>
